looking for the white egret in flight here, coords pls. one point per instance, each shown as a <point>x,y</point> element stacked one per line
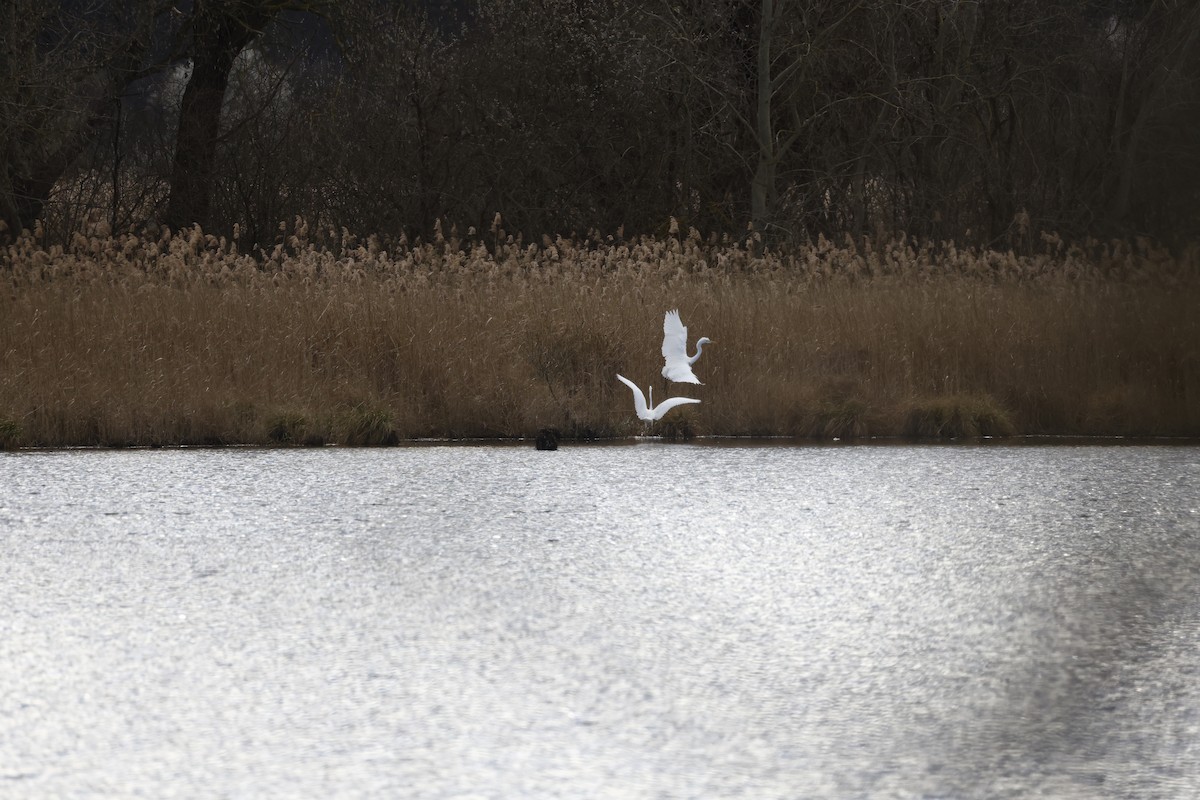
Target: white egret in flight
<point>651,413</point>
<point>674,350</point>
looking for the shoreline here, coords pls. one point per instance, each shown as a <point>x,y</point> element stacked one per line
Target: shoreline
<point>1019,441</point>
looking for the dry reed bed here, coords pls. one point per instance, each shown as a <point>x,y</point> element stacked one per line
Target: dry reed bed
<point>326,339</point>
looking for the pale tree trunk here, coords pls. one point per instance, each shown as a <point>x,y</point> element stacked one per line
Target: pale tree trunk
<point>762,191</point>
<point>1166,71</point>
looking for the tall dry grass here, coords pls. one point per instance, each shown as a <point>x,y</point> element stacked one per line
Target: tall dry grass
<point>184,339</point>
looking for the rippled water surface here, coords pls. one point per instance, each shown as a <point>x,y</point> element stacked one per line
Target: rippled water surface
<point>648,620</point>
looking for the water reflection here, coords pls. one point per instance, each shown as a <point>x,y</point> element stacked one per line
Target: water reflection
<point>637,621</point>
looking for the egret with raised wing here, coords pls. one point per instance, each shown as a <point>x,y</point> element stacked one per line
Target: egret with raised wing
<point>650,412</point>
<point>674,349</point>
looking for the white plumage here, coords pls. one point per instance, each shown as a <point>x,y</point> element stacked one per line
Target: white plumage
<point>650,413</point>
<point>678,366</point>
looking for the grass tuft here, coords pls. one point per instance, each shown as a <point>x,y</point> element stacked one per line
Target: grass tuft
<point>841,419</point>
<point>366,425</point>
<point>287,427</point>
<point>957,417</point>
<point>10,434</point>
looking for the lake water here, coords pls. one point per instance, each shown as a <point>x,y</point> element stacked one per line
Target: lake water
<point>640,621</point>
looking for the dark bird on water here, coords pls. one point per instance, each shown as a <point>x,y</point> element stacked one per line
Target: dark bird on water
<point>547,439</point>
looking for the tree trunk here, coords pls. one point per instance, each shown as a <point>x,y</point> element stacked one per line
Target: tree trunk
<point>1162,75</point>
<point>762,188</point>
<point>220,35</point>
<point>762,191</point>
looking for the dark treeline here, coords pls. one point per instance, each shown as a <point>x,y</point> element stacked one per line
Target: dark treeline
<point>981,122</point>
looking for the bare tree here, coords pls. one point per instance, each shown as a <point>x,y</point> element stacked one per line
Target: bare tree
<point>961,120</point>
<point>220,29</point>
<point>61,65</point>
<point>807,29</point>
<point>1159,53</point>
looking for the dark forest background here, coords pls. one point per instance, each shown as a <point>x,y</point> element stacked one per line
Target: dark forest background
<point>986,123</point>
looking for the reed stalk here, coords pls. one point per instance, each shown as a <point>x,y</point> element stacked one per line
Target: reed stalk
<point>182,339</point>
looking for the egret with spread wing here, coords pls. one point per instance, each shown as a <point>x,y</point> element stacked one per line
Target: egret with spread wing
<point>674,349</point>
<point>650,413</point>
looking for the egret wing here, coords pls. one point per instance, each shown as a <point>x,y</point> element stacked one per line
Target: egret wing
<point>666,405</point>
<point>674,344</point>
<point>639,398</point>
<point>674,350</point>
